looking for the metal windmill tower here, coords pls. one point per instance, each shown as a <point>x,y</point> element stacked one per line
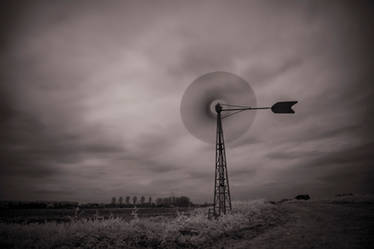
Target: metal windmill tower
<point>202,108</point>
<point>222,197</point>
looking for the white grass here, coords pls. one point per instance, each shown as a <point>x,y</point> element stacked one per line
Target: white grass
<point>191,231</point>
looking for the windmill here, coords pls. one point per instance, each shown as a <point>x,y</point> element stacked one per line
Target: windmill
<point>210,99</point>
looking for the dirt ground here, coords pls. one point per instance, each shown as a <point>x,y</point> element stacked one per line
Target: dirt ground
<point>312,224</point>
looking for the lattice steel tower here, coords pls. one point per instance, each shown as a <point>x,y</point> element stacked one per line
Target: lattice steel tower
<point>222,198</point>
<point>211,98</point>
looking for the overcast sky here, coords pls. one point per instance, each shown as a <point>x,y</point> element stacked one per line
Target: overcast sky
<point>90,97</point>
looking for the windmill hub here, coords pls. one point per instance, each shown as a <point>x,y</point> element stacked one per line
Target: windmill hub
<point>218,107</point>
<point>213,106</point>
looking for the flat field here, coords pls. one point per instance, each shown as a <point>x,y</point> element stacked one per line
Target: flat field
<point>338,223</point>
<point>66,215</point>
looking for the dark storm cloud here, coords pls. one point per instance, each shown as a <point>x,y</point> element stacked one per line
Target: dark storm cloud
<point>291,155</point>
<point>325,174</point>
<point>325,133</point>
<point>90,94</point>
<point>352,156</point>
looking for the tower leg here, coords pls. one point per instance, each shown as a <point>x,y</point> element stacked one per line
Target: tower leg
<point>222,198</point>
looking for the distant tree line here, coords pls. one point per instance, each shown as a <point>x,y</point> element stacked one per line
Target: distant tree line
<point>129,201</point>
<point>120,202</point>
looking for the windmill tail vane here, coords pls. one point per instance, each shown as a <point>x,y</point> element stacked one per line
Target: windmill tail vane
<point>283,107</point>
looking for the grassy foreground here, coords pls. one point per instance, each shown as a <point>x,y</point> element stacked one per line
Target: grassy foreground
<point>193,231</point>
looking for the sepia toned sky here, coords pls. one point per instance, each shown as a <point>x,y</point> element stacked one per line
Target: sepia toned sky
<point>90,95</point>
